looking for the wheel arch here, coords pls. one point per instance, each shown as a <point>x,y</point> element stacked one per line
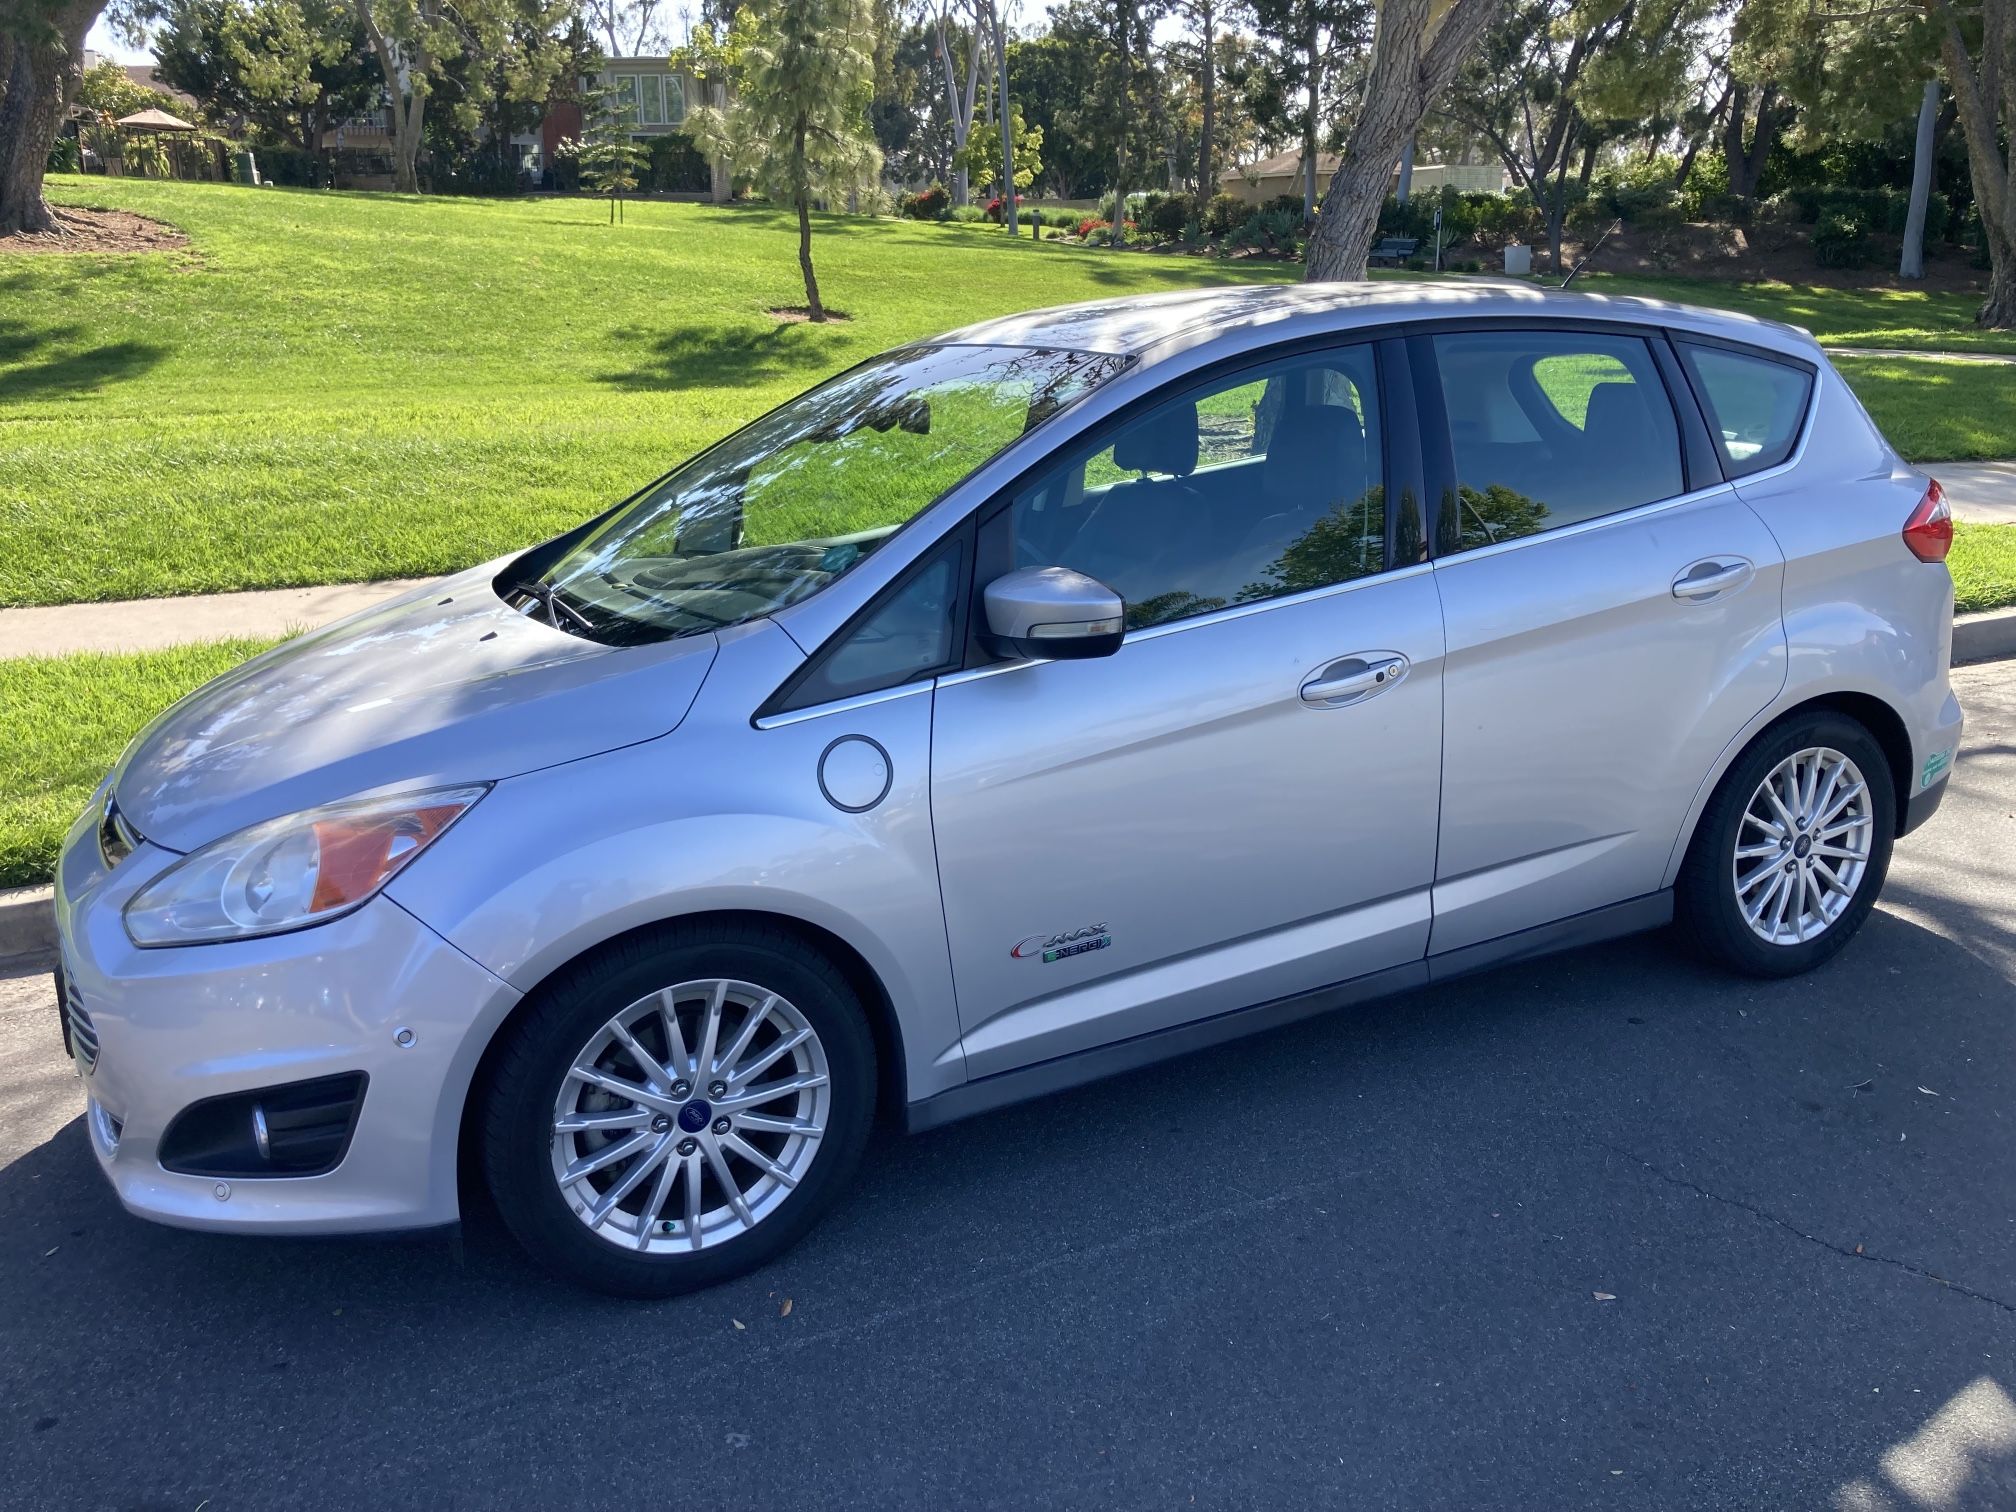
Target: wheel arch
<point>1876,715</point>
<point>892,1077</point>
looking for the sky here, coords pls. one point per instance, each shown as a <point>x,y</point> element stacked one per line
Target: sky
<point>101,40</point>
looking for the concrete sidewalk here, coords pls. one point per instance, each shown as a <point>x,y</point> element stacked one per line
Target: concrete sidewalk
<point>1982,493</point>
<point>150,624</point>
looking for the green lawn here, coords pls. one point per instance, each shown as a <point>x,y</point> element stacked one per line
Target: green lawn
<point>1984,567</point>
<point>64,721</point>
<point>341,387</point>
<point>1917,319</point>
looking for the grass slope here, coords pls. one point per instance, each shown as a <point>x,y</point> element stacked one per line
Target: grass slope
<point>64,721</point>
<point>336,387</point>
<point>329,388</point>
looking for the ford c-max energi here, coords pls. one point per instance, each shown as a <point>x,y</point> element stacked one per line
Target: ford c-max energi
<point>1018,707</point>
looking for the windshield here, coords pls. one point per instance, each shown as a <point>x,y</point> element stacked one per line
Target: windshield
<point>779,510</point>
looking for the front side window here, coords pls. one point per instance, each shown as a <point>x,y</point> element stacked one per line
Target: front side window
<point>1552,427</point>
<point>793,502</point>
<point>652,95</point>
<point>1755,406</point>
<point>1261,484</point>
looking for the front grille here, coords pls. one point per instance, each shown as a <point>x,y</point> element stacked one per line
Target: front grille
<point>83,1036</point>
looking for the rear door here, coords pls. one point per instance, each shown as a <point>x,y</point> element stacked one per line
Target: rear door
<point>1613,618</point>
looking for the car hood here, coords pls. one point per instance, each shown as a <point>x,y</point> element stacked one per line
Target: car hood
<point>446,684</point>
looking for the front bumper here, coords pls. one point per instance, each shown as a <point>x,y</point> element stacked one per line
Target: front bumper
<point>176,1026</point>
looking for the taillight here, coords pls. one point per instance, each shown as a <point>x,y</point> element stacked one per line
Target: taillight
<point>1929,531</point>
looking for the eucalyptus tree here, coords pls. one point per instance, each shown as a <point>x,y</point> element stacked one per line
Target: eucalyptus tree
<point>1417,49</point>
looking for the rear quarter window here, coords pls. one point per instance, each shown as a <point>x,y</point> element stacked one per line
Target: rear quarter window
<point>1756,405</point>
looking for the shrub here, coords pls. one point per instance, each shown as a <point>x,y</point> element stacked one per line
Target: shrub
<point>966,215</point>
<point>1224,214</point>
<point>1092,223</point>
<point>65,156</point>
<point>1272,231</point>
<point>1840,240</point>
<point>995,212</point>
<point>926,204</point>
<point>1171,216</point>
<point>1285,204</point>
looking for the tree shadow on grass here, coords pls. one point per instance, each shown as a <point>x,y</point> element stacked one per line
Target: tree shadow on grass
<point>30,370</point>
<point>719,356</point>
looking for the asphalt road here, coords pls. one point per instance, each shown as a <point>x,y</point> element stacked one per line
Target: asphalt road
<point>1608,1230</point>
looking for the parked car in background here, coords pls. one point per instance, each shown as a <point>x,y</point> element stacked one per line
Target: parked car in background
<point>1016,708</point>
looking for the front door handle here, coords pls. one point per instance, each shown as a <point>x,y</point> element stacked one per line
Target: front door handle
<point>1711,578</point>
<point>1353,679</point>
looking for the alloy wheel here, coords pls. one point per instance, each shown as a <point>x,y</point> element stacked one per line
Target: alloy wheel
<point>1803,846</point>
<point>690,1116</point>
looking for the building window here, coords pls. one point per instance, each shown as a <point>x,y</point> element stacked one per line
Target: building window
<point>651,100</point>
<point>626,98</point>
<point>675,99</point>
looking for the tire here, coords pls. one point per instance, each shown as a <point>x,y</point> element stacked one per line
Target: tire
<point>1710,912</point>
<point>634,1249</point>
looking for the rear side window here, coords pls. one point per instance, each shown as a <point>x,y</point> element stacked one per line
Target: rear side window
<point>1550,428</point>
<point>1755,405</point>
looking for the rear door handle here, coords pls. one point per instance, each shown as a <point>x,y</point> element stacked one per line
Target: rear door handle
<point>1711,578</point>
<point>1353,679</point>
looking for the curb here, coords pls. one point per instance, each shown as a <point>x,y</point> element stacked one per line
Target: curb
<point>28,928</point>
<point>1984,637</point>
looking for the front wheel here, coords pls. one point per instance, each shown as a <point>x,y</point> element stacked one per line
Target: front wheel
<point>1792,849</point>
<point>679,1109</point>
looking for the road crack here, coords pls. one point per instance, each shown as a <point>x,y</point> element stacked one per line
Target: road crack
<point>1792,1228</point>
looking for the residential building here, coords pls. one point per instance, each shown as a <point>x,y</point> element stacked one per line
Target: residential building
<point>1256,183</point>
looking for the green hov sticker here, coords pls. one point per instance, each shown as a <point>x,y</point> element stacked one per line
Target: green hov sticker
<point>1935,767</point>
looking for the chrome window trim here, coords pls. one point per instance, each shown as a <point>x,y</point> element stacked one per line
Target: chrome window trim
<point>1214,617</point>
<point>1583,527</point>
<point>844,705</point>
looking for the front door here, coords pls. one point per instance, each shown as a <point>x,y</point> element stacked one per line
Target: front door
<point>1240,804</point>
<point>1610,631</point>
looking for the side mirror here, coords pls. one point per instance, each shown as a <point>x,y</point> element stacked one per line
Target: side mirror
<point>1053,612</point>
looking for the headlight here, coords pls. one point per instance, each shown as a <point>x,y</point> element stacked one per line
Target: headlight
<point>288,873</point>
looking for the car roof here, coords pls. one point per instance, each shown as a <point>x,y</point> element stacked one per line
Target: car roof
<point>1153,326</point>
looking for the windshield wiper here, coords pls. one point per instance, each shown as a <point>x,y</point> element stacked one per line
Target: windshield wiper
<point>548,598</point>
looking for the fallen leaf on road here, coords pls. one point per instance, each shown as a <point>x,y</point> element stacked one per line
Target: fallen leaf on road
<point>51,1250</point>
<point>1604,1296</point>
<point>785,1310</point>
<point>1928,1091</point>
<point>1858,1249</point>
<point>1863,1086</point>
<point>739,1324</point>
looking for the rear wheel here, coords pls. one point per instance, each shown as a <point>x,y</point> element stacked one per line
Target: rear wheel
<point>679,1109</point>
<point>1793,848</point>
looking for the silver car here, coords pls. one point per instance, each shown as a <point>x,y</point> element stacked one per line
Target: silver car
<point>1020,707</point>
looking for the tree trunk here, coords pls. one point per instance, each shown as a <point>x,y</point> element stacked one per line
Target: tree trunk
<point>1405,188</point>
<point>813,308</point>
<point>38,76</point>
<point>1207,183</point>
<point>1911,264</point>
<point>1412,65</point>
<point>720,177</point>
<point>1982,94</point>
<point>1310,193</point>
<point>1008,210</point>
<point>1118,235</point>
